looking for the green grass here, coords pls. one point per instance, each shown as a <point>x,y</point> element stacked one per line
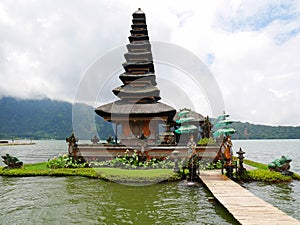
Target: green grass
<point>265,176</point>
<point>110,174</point>
<point>256,164</point>
<point>41,169</point>
<point>138,176</point>
<point>262,173</point>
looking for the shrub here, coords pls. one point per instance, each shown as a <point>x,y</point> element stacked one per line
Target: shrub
<point>135,161</point>
<point>64,161</point>
<point>264,175</point>
<point>210,165</point>
<point>206,141</point>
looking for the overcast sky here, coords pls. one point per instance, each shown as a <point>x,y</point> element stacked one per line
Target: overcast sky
<point>251,47</point>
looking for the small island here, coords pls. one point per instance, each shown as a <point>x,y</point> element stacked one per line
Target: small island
<point>188,143</point>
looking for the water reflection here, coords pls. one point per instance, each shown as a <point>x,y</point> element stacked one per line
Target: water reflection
<point>265,151</point>
<point>282,192</point>
<point>69,200</point>
<point>280,195</point>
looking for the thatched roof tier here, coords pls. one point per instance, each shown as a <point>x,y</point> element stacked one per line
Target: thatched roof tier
<point>126,78</point>
<point>138,56</point>
<point>142,46</point>
<point>139,26</point>
<point>139,94</point>
<point>138,38</point>
<point>139,66</point>
<point>120,109</point>
<point>139,14</point>
<point>137,32</point>
<point>136,92</point>
<point>139,20</point>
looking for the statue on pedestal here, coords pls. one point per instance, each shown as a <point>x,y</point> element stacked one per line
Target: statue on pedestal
<point>281,165</point>
<point>95,140</point>
<point>226,154</point>
<point>12,162</point>
<point>206,128</point>
<point>72,140</point>
<point>191,145</point>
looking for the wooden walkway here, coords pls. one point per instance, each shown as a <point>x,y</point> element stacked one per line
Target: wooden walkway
<point>245,207</point>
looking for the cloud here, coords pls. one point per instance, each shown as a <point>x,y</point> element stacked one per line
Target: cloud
<point>251,47</point>
<point>255,15</point>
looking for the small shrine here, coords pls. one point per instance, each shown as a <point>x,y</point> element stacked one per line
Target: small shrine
<point>138,112</point>
<point>187,122</point>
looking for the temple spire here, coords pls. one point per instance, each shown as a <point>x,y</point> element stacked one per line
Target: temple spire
<point>139,81</point>
<point>139,97</point>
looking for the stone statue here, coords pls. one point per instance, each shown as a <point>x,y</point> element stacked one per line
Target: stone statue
<point>206,128</point>
<point>12,162</point>
<point>109,140</point>
<point>143,137</point>
<point>226,155</point>
<point>95,140</point>
<point>191,145</point>
<point>72,140</point>
<point>193,166</point>
<point>281,165</point>
<point>226,150</point>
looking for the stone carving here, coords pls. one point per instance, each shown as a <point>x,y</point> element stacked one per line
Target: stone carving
<point>281,165</point>
<point>72,140</point>
<point>95,140</point>
<point>206,128</point>
<point>12,162</point>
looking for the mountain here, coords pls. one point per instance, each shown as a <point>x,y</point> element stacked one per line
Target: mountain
<point>253,131</point>
<point>46,119</point>
<point>42,119</point>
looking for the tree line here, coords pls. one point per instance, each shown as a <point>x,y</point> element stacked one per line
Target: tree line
<point>51,119</point>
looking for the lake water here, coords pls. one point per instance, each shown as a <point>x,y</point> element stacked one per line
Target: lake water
<point>77,200</point>
<point>284,196</point>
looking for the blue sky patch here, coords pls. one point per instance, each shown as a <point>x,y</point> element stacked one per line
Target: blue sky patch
<point>284,12</point>
<point>210,58</point>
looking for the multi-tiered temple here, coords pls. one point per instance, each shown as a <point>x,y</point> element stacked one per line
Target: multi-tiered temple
<point>138,112</point>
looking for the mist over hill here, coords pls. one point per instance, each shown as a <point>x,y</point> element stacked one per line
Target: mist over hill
<point>51,119</point>
<point>43,119</point>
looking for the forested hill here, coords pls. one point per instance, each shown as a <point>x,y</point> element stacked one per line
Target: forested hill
<point>45,119</point>
<point>40,119</point>
<point>251,131</point>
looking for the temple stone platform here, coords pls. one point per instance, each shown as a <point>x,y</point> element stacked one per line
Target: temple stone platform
<point>105,152</point>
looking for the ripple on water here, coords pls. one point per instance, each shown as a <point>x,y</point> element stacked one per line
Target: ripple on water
<point>70,200</point>
<point>284,196</point>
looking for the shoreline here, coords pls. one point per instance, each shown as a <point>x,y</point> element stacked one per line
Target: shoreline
<point>259,172</point>
<point>16,143</point>
<point>116,175</point>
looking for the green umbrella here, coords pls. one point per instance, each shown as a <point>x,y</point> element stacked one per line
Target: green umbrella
<point>224,131</point>
<point>185,119</point>
<point>223,123</point>
<point>186,129</point>
<point>183,112</point>
<point>223,117</point>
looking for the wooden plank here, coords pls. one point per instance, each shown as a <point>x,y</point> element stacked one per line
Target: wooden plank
<point>245,207</point>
